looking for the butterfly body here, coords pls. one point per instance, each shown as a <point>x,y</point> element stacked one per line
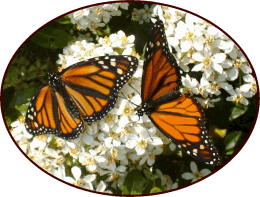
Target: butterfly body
<point>85,91</point>
<point>178,116</point>
<point>150,106</point>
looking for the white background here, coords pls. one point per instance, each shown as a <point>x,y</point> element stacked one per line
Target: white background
<point>19,19</point>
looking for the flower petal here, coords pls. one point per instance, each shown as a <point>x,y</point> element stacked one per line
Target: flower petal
<point>246,69</point>
<point>219,57</point>
<point>205,172</point>
<point>187,176</point>
<point>89,178</point>
<point>249,78</point>
<point>233,74</point>
<point>198,56</point>
<point>193,166</point>
<point>197,67</point>
<point>101,187</point>
<point>76,172</point>
<point>155,141</point>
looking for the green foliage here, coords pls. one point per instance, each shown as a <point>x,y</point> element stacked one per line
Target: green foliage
<point>9,93</point>
<point>155,190</point>
<point>133,183</point>
<point>231,141</point>
<point>237,111</point>
<point>49,37</point>
<point>64,20</point>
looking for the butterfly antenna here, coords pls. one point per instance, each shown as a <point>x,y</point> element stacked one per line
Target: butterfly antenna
<point>132,123</point>
<point>35,77</point>
<point>147,131</point>
<point>134,89</point>
<point>129,100</point>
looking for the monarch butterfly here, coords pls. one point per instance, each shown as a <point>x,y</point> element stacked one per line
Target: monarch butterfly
<point>85,91</point>
<point>179,117</point>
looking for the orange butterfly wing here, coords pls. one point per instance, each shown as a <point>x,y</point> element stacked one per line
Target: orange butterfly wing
<point>48,113</point>
<point>183,121</point>
<point>160,73</point>
<point>179,117</point>
<point>86,90</point>
<point>93,84</point>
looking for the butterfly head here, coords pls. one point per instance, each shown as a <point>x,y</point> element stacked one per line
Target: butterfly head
<point>145,109</point>
<point>53,79</point>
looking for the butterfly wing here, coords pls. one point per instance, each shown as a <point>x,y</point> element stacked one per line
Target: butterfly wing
<point>93,84</point>
<point>160,73</point>
<point>49,113</point>
<point>183,121</point>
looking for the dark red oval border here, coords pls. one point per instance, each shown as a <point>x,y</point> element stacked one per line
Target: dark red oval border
<point>149,2</point>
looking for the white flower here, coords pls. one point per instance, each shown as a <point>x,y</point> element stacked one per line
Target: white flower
<point>106,44</point>
<point>96,16</point>
<point>91,159</point>
<point>209,62</point>
<point>216,84</point>
<point>239,64</point>
<point>214,40</point>
<point>76,172</point>
<point>151,155</point>
<point>101,188</point>
<point>166,181</point>
<point>123,5</point>
<point>121,40</point>
<point>114,138</point>
<point>175,15</point>
<point>239,96</point>
<point>113,172</point>
<point>59,172</point>
<point>147,15</point>
<point>250,84</point>
<point>137,15</point>
<point>39,142</point>
<point>143,14</point>
<point>141,142</point>
<point>203,86</point>
<point>189,34</point>
<point>195,175</point>
<point>206,103</point>
<point>81,13</point>
<point>190,85</point>
<point>88,181</point>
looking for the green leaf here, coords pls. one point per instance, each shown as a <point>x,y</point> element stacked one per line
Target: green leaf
<point>7,96</point>
<point>22,108</point>
<point>155,190</point>
<point>50,37</point>
<point>148,187</point>
<point>69,160</point>
<point>12,72</point>
<point>237,111</point>
<point>230,152</point>
<point>133,183</point>
<point>107,31</point>
<point>158,182</point>
<point>53,144</point>
<point>11,115</point>
<point>100,33</point>
<point>232,139</point>
<point>64,20</point>
<point>221,132</point>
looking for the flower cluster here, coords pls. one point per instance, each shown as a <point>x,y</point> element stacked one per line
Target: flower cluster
<point>107,147</point>
<point>143,15</point>
<point>84,49</point>
<point>96,16</point>
<point>204,49</point>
